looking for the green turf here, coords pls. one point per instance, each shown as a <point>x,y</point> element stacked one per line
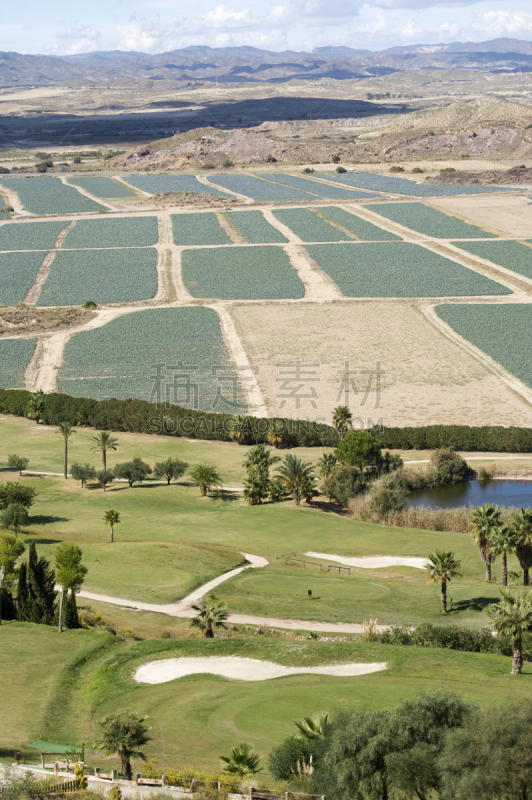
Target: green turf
<point>193,720</point>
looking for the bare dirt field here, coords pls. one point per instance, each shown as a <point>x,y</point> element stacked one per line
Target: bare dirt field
<point>512,216</point>
<point>428,379</point>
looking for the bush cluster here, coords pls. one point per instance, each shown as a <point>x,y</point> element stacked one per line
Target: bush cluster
<point>494,438</point>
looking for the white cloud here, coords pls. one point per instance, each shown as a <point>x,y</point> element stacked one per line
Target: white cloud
<point>502,23</point>
<point>79,39</point>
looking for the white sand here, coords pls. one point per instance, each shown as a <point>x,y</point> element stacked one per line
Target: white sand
<point>241,669</point>
<point>372,562</point>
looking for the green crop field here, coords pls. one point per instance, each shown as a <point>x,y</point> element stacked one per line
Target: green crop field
<point>15,355</point>
<point>154,184</point>
<point>49,196</point>
<point>404,186</point>
<point>364,230</point>
<point>255,228</point>
<point>398,270</point>
<point>504,332</point>
<point>241,273</point>
<point>262,191</point>
<point>429,221</point>
<point>189,229</point>
<point>115,232</point>
<point>105,276</point>
<point>18,272</point>
<point>119,359</point>
<point>103,187</point>
<point>318,188</point>
<point>30,235</point>
<point>512,255</point>
<point>309,227</point>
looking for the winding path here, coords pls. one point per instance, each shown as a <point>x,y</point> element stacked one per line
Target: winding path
<point>183,607</point>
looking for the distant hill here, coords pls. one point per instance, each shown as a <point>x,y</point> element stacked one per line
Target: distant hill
<point>246,64</point>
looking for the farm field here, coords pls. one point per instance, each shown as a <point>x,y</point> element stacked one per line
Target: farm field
<point>115,232</point>
<point>320,189</point>
<point>429,221</point>
<point>103,187</point>
<point>15,355</point>
<point>255,228</point>
<point>502,332</point>
<point>18,272</point>
<point>153,184</point>
<point>262,191</point>
<point>309,227</point>
<point>385,183</point>
<point>118,359</point>
<point>509,214</point>
<point>104,276</point>
<point>428,378</point>
<point>49,196</point>
<point>30,235</point>
<point>512,255</point>
<point>241,273</point>
<point>367,231</point>
<point>404,269</point>
<point>199,229</point>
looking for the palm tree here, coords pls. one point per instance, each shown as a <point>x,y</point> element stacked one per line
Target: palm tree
<point>341,419</point>
<point>274,434</point>
<point>242,762</point>
<point>66,429</point>
<point>504,539</point>
<point>297,476</point>
<point>442,567</point>
<point>102,443</point>
<point>212,614</point>
<point>326,465</point>
<point>513,617</point>
<point>522,525</point>
<point>205,476</point>
<point>35,407</point>
<point>239,428</point>
<point>112,518</point>
<point>123,734</point>
<point>256,486</point>
<point>486,519</point>
<point>313,727</point>
<point>259,456</point>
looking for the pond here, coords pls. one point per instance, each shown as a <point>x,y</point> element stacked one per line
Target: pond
<point>502,493</point>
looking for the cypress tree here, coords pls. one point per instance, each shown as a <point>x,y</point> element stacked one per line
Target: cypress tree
<point>36,590</point>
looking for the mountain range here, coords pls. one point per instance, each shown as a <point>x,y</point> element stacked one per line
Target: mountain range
<point>250,64</point>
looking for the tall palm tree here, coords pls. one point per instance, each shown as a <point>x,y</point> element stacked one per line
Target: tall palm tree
<point>112,519</point>
<point>442,567</point>
<point>341,419</point>
<point>66,429</point>
<point>102,443</point>
<point>313,727</point>
<point>522,525</point>
<point>212,614</point>
<point>274,434</point>
<point>242,762</point>
<point>205,476</point>
<point>503,540</point>
<point>297,476</point>
<point>513,617</point>
<point>486,519</point>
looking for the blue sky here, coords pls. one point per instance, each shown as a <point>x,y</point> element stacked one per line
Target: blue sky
<point>61,27</point>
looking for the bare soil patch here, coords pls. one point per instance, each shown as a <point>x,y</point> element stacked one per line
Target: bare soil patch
<point>40,320</point>
<point>177,199</point>
<point>512,216</point>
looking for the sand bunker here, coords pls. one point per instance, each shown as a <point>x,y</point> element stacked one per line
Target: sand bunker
<point>372,562</point>
<point>240,669</point>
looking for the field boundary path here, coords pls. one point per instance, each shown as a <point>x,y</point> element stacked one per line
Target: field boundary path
<point>183,607</point>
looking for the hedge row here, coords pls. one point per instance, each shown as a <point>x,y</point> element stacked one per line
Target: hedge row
<point>139,416</point>
<point>494,439</point>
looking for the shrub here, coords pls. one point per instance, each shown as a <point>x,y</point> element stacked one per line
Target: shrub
<point>335,159</point>
<point>228,163</point>
<point>396,169</point>
<point>77,159</point>
<point>114,793</point>
<point>283,759</point>
<point>17,462</point>
<point>341,169</point>
<point>308,170</point>
<point>4,171</point>
<point>90,304</point>
<point>447,466</point>
<point>418,170</point>
<point>345,482</point>
<point>384,501</point>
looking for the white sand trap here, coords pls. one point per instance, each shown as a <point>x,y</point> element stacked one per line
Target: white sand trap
<point>372,562</point>
<point>240,669</point>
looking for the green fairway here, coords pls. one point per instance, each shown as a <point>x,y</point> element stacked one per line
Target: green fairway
<point>193,720</point>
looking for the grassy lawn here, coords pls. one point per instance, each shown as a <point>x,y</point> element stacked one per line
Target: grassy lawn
<point>195,719</point>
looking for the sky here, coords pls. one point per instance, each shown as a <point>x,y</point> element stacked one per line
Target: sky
<point>61,27</point>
